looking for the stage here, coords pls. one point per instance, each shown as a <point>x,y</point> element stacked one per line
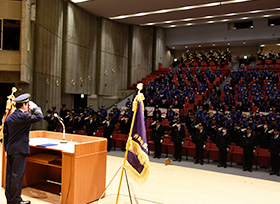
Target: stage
<point>173,184</point>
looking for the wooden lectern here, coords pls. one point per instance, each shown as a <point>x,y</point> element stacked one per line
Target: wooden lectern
<point>79,165</point>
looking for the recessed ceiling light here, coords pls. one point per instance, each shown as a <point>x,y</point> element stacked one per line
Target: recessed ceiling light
<point>214,44</point>
<point>175,9</point>
<point>163,11</point>
<point>186,46</point>
<point>228,44</point>
<point>187,19</point>
<point>262,45</point>
<point>208,17</point>
<point>256,11</point>
<point>211,21</point>
<point>244,18</point>
<point>233,1</point>
<point>278,44</point>
<point>225,20</point>
<point>189,24</point>
<point>244,43</point>
<point>173,48</point>
<point>272,25</point>
<point>168,22</point>
<point>78,1</point>
<point>172,26</point>
<point>266,16</point>
<point>231,14</point>
<point>199,45</point>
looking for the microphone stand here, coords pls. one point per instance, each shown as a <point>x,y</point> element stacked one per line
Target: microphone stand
<point>63,141</point>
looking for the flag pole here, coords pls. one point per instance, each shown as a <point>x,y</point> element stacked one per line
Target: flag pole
<point>134,108</point>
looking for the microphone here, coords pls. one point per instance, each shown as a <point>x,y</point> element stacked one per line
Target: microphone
<point>63,141</point>
<point>57,116</point>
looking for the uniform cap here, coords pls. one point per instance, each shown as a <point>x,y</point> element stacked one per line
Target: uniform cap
<point>23,98</point>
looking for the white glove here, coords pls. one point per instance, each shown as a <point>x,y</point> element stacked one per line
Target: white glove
<point>111,136</point>
<point>227,149</point>
<point>243,130</point>
<point>270,131</point>
<point>153,123</point>
<point>174,125</point>
<point>203,146</point>
<point>182,142</point>
<point>32,105</point>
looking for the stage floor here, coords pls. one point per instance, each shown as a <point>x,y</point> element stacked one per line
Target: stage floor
<point>173,184</point>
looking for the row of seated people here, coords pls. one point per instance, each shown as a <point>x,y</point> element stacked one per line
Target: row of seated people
<point>206,58</point>
<point>175,87</point>
<point>249,89</point>
<point>220,133</point>
<point>272,57</point>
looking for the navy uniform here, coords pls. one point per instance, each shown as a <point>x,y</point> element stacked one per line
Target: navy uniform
<point>223,143</point>
<point>178,137</point>
<point>199,139</point>
<point>125,124</point>
<point>248,145</point>
<point>52,121</point>
<point>274,149</point>
<point>16,144</point>
<point>109,127</point>
<point>92,125</point>
<point>157,136</point>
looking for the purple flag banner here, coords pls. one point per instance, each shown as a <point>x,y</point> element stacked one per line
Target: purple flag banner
<point>138,164</point>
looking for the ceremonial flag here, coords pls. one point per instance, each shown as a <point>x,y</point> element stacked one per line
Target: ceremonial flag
<point>137,164</point>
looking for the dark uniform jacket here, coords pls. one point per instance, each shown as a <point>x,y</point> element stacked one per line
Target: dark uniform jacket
<point>176,134</point>
<point>16,130</point>
<point>157,133</point>
<point>248,143</point>
<point>274,146</point>
<point>223,141</point>
<point>200,138</point>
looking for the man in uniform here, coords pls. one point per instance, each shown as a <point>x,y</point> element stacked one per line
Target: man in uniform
<point>223,143</point>
<point>178,137</point>
<point>274,149</point>
<point>109,126</point>
<point>157,136</point>
<point>248,145</point>
<point>16,144</point>
<point>199,139</point>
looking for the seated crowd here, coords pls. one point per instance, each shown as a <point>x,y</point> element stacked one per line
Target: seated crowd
<point>249,90</point>
<point>271,55</point>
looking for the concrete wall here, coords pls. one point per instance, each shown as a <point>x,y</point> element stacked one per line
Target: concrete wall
<point>162,55</point>
<point>80,51</point>
<point>48,57</point>
<point>142,52</point>
<point>113,57</point>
